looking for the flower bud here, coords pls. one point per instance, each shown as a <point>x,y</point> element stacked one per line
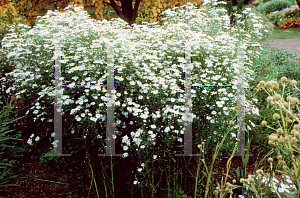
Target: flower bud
<point>274,138</point>
<point>293,82</point>
<point>294,101</point>
<point>280,162</point>
<point>229,185</point>
<point>283,79</point>
<point>297,134</point>
<point>273,83</point>
<point>270,142</point>
<point>263,123</point>
<point>234,181</point>
<point>262,82</point>
<point>294,140</point>
<point>289,98</point>
<point>270,160</point>
<point>261,171</point>
<point>269,99</point>
<point>276,87</point>
<point>242,180</point>
<point>281,140</point>
<point>286,104</point>
<point>279,157</point>
<point>227,190</point>
<point>280,131</point>
<point>251,180</point>
<point>268,84</point>
<point>199,146</point>
<point>277,97</point>
<point>276,116</point>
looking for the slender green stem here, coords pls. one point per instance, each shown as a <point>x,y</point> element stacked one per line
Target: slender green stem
<point>153,188</point>
<point>104,179</point>
<point>198,169</point>
<point>93,177</point>
<point>112,177</point>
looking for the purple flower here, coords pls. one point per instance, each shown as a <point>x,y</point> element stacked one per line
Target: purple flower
<point>39,150</point>
<point>32,156</point>
<point>29,151</point>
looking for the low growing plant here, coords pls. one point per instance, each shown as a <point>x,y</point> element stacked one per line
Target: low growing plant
<point>285,142</point>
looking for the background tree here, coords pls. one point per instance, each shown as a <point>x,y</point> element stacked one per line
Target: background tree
<point>128,10</point>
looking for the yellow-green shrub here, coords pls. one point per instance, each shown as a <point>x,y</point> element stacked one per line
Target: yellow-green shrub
<point>8,14</point>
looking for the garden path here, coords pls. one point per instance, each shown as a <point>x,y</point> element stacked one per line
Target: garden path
<point>285,44</point>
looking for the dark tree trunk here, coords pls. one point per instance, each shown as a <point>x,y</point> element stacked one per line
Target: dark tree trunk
<point>127,13</point>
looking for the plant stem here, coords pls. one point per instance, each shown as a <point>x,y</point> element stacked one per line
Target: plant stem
<point>104,179</point>
<point>198,169</point>
<point>112,176</point>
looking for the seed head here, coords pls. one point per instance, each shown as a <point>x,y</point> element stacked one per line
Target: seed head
<point>281,140</point>
<point>284,167</point>
<point>274,138</point>
<point>286,104</point>
<point>297,126</point>
<point>276,116</point>
<point>199,146</point>
<point>280,162</point>
<point>276,87</point>
<point>262,82</point>
<point>297,134</point>
<point>268,84</point>
<point>277,97</point>
<point>279,157</point>
<point>279,131</point>
<point>259,171</point>
<point>203,143</point>
<point>227,190</point>
<point>293,82</point>
<point>269,99</point>
<point>229,185</point>
<point>295,101</point>
<point>283,79</point>
<point>251,180</point>
<point>289,98</point>
<point>270,142</point>
<point>294,140</point>
<point>234,181</point>
<point>242,180</point>
<point>270,160</point>
<point>263,123</point>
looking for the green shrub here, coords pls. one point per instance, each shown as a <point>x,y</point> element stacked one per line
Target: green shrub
<point>275,16</point>
<point>273,6</point>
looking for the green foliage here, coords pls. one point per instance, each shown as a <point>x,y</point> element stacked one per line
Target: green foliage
<point>273,6</point>
<point>5,139</point>
<point>275,16</point>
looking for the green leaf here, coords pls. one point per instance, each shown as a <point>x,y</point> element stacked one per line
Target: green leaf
<point>181,191</point>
